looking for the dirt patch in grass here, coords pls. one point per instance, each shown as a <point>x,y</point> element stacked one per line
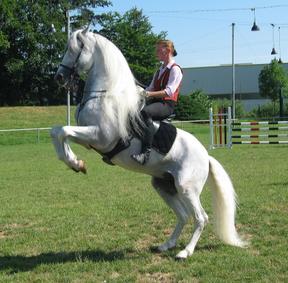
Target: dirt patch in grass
<point>3,235</point>
<point>156,277</point>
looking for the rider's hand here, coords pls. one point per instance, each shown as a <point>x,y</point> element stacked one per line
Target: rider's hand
<point>144,93</point>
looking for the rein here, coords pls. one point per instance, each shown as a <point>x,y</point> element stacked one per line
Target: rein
<point>72,70</point>
<point>83,102</point>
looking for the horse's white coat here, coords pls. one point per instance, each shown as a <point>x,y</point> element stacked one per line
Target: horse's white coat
<point>105,119</point>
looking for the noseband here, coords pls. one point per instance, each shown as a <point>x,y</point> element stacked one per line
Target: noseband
<point>72,70</point>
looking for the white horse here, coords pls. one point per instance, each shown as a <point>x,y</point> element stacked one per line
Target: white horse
<point>109,109</point>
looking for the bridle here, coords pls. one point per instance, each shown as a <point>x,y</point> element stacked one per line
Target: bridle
<point>73,74</point>
<point>72,70</point>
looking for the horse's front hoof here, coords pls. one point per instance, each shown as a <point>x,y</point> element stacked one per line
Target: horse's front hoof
<point>82,167</point>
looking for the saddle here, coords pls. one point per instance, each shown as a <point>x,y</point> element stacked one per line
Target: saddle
<point>163,140</point>
<point>164,137</point>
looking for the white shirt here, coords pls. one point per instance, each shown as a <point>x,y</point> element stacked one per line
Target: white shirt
<point>174,80</point>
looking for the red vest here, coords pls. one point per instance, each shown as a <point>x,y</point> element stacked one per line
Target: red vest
<point>161,82</point>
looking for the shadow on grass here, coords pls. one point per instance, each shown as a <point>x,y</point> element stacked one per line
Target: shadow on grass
<point>283,184</point>
<point>212,247</point>
<point>19,263</point>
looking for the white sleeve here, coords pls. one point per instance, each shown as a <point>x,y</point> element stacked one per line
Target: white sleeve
<point>174,81</point>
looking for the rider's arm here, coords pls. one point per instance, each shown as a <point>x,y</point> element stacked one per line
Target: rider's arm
<point>174,81</point>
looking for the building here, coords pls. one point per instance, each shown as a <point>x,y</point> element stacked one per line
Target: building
<point>216,82</point>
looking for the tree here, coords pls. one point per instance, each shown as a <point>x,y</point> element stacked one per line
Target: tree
<point>133,35</point>
<point>273,83</point>
<point>272,79</point>
<point>30,52</point>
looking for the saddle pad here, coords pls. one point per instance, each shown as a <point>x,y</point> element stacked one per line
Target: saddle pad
<point>164,138</point>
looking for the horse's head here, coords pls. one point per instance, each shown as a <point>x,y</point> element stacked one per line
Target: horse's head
<point>77,59</point>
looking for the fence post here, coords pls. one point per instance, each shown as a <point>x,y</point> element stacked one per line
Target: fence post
<point>211,128</point>
<point>229,124</point>
<point>38,135</point>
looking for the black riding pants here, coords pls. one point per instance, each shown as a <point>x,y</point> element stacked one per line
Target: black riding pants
<point>154,110</point>
<point>158,110</point>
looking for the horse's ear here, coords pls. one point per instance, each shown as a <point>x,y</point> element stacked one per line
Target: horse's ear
<point>84,31</point>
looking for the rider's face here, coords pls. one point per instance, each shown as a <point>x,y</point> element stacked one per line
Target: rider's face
<point>162,52</point>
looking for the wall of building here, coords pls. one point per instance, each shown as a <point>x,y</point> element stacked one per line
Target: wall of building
<point>216,81</point>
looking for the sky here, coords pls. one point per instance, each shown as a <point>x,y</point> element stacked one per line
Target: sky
<point>202,30</point>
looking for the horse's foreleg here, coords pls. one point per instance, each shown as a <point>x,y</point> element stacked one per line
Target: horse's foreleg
<point>54,133</point>
<point>60,137</point>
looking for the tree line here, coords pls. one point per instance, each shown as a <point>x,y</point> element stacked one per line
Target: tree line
<point>33,35</point>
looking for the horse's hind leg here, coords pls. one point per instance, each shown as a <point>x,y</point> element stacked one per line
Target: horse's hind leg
<point>174,202</point>
<point>191,194</point>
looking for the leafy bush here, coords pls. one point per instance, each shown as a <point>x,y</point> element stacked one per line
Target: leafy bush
<point>193,106</point>
<point>267,110</point>
<point>225,103</point>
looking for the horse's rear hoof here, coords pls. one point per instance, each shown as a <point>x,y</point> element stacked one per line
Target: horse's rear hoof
<point>182,255</point>
<point>155,249</point>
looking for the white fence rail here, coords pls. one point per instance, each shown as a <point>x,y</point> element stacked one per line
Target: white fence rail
<point>37,130</point>
<point>180,124</point>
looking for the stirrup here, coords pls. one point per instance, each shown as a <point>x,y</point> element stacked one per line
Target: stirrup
<point>169,118</point>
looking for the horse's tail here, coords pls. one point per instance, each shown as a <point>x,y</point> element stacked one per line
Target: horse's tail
<point>224,204</point>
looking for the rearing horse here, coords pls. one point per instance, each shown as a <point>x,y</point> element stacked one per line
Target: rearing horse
<point>108,112</point>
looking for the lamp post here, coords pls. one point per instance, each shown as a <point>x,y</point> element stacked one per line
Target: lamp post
<point>233,73</point>
<point>279,61</point>
<point>53,30</point>
<point>68,92</point>
<point>233,98</point>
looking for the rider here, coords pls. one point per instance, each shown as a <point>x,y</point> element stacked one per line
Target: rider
<point>162,94</point>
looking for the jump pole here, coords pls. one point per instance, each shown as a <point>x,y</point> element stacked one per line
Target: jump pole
<point>220,124</point>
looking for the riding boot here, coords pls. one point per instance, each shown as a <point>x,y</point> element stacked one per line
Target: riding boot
<point>148,136</point>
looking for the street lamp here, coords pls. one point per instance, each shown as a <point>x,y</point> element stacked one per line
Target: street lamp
<point>254,27</point>
<point>273,52</point>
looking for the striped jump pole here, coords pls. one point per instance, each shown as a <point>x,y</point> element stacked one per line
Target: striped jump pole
<point>273,134</point>
<point>220,125</point>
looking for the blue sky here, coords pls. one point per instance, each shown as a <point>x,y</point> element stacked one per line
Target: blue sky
<point>202,31</point>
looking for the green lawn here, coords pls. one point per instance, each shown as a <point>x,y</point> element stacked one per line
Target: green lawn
<point>60,226</point>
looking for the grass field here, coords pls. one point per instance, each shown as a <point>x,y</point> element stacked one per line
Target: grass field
<point>59,226</point>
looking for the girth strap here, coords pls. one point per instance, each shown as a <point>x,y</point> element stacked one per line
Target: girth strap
<point>121,145</point>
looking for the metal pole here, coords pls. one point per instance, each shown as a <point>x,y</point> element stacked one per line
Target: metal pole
<point>233,74</point>
<point>68,92</point>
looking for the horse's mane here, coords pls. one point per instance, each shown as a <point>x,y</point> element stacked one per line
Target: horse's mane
<point>123,107</point>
